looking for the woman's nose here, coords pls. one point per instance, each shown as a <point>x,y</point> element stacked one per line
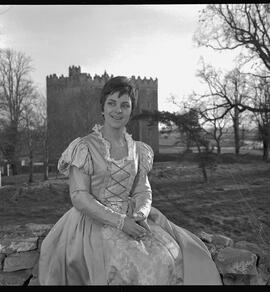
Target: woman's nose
<point>118,109</point>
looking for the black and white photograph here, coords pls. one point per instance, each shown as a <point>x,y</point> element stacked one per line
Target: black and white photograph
<point>134,144</point>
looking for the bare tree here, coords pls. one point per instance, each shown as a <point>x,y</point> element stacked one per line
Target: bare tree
<point>214,126</point>
<point>237,89</point>
<point>16,92</point>
<point>261,88</point>
<point>229,26</point>
<point>33,132</point>
<point>187,122</point>
<point>41,110</point>
<point>229,92</point>
<point>28,133</point>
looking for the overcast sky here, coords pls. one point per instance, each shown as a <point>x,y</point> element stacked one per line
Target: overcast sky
<point>142,40</point>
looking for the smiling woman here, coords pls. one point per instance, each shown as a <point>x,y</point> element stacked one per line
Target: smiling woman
<point>117,110</point>
<point>117,105</point>
<point>112,235</point>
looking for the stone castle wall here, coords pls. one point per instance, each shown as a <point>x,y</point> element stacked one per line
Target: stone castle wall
<point>73,108</point>
<point>239,263</point>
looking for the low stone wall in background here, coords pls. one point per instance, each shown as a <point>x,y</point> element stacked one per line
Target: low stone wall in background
<point>240,263</point>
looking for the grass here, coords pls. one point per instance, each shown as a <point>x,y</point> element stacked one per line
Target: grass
<point>235,202</point>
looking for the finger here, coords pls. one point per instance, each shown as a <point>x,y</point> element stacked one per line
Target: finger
<point>140,229</point>
<point>138,215</point>
<point>142,236</point>
<point>138,232</point>
<point>145,225</point>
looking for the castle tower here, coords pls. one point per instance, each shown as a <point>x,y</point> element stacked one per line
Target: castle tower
<point>73,108</point>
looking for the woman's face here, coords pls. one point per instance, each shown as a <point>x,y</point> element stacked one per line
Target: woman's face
<point>117,110</point>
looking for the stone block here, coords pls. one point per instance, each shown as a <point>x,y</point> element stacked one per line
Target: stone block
<point>34,282</point>
<point>20,261</point>
<point>264,268</point>
<point>263,263</point>
<point>18,244</point>
<point>39,229</point>
<point>2,257</point>
<point>220,241</point>
<point>212,249</point>
<point>240,279</point>
<point>17,278</point>
<point>254,248</point>
<point>236,261</point>
<point>206,237</point>
<point>35,269</point>
<point>40,240</point>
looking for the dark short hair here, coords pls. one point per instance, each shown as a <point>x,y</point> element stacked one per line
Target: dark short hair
<point>120,84</point>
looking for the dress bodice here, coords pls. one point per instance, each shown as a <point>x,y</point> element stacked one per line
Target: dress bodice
<point>116,193</point>
<point>111,180</point>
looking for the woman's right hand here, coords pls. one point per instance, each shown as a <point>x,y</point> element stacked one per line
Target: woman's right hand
<point>133,229</point>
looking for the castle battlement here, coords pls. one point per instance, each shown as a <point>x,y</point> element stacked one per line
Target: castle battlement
<point>73,108</point>
<point>76,74</point>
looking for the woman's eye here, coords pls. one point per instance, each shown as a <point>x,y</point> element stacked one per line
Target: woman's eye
<point>126,106</point>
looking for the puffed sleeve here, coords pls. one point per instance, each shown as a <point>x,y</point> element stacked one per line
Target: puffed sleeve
<point>142,192</point>
<point>76,154</point>
<point>76,163</point>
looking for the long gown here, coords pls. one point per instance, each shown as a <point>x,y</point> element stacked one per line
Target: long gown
<point>87,246</point>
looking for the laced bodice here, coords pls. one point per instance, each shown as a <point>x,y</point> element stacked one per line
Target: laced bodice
<point>112,181</point>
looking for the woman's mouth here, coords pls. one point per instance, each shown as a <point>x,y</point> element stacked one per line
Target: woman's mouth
<point>117,118</point>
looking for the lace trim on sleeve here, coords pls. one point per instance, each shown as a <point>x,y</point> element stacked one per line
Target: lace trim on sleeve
<point>121,221</point>
<point>77,154</point>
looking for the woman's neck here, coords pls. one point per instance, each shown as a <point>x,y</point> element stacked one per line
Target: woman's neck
<point>113,134</point>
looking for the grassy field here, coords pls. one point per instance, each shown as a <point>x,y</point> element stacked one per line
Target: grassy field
<point>235,202</point>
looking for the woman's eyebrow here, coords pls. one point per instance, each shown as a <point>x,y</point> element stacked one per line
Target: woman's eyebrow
<point>110,99</point>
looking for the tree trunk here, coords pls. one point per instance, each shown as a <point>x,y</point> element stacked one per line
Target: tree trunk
<point>13,159</point>
<point>30,179</point>
<point>236,130</point>
<point>45,170</point>
<point>202,162</point>
<point>12,139</point>
<point>45,160</point>
<point>218,148</point>
<point>14,168</point>
<point>204,172</point>
<point>266,148</point>
<point>188,142</point>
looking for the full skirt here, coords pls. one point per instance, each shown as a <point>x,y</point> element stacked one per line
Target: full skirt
<point>81,251</point>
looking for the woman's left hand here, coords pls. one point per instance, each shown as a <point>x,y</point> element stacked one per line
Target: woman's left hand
<point>141,219</point>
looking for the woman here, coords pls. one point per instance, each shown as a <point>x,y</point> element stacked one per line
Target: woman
<point>112,235</point>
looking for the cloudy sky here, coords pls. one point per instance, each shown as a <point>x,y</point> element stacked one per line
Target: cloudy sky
<point>142,40</point>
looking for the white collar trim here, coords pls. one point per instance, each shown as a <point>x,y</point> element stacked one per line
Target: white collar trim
<point>97,129</point>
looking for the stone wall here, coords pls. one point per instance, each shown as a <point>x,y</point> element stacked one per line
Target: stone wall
<point>19,253</point>
<point>240,263</point>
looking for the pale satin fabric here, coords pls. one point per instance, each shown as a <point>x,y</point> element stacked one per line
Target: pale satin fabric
<point>87,248</point>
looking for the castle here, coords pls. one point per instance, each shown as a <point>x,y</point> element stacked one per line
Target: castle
<point>73,108</point>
